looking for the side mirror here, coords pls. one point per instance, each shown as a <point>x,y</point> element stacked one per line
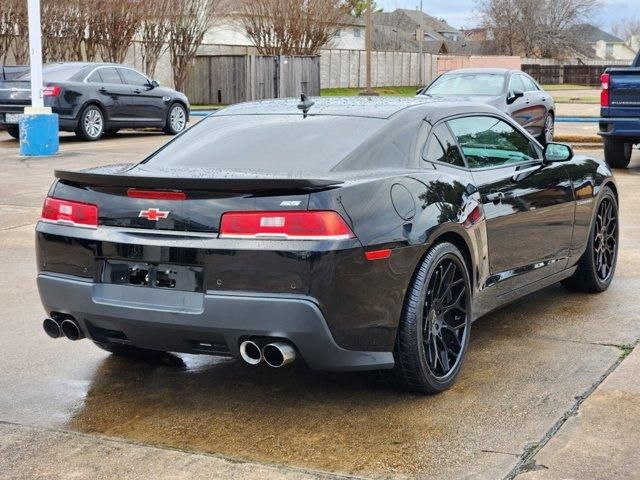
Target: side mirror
<point>419,91</point>
<point>516,94</point>
<point>557,152</point>
<point>154,84</point>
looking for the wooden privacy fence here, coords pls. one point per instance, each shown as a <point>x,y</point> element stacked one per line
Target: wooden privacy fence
<point>227,79</point>
<point>571,74</point>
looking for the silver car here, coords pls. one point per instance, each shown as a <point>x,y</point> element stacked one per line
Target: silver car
<point>512,91</point>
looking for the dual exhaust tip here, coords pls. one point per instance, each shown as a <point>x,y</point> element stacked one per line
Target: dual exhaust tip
<point>276,354</point>
<point>57,328</point>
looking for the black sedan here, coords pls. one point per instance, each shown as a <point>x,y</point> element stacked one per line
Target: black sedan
<point>357,234</point>
<point>511,91</point>
<point>93,99</point>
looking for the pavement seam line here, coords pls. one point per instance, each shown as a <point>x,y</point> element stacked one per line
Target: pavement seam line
<point>526,462</point>
<point>235,461</point>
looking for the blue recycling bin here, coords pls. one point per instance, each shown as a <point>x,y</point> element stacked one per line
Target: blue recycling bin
<point>39,134</point>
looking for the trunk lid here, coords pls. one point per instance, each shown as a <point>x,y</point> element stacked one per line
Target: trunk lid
<point>15,92</point>
<point>128,198</point>
<point>624,93</point>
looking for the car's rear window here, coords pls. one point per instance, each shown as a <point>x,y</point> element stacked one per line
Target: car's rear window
<point>55,73</point>
<point>468,84</point>
<point>265,142</point>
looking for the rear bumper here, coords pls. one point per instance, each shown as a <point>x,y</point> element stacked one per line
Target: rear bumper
<point>623,128</point>
<point>65,122</point>
<point>184,321</point>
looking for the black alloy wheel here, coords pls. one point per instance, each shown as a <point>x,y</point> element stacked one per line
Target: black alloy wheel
<point>598,263</point>
<point>434,331</point>
<point>605,242</point>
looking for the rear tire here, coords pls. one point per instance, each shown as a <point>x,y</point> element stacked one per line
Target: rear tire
<point>91,124</point>
<point>433,334</point>
<point>548,130</point>
<point>617,153</point>
<point>14,131</point>
<point>176,119</point>
<point>598,263</point>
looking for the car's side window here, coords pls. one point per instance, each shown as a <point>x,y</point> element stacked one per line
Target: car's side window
<point>95,77</point>
<point>516,84</point>
<point>491,142</point>
<point>442,147</point>
<point>110,75</point>
<point>529,85</point>
<point>133,78</point>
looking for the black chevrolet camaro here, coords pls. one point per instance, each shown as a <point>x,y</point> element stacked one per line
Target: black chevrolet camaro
<point>357,234</point>
<point>93,99</point>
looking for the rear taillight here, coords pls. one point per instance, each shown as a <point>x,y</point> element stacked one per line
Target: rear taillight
<point>66,212</point>
<point>51,91</point>
<point>604,95</point>
<point>295,225</point>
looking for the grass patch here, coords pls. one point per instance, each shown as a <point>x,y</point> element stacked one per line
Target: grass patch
<point>625,350</point>
<point>568,86</point>
<point>589,100</point>
<point>383,91</point>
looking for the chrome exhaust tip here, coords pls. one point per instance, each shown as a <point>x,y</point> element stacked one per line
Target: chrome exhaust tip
<point>71,330</point>
<point>52,328</point>
<point>279,354</point>
<point>250,352</point>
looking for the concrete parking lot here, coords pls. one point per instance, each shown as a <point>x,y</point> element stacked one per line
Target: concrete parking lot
<point>549,390</point>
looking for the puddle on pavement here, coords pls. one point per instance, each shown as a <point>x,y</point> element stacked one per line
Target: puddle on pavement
<point>348,422</point>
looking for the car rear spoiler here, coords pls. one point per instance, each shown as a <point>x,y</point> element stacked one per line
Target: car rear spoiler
<point>213,184</point>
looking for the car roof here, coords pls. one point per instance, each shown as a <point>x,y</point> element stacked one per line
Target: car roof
<point>365,106</point>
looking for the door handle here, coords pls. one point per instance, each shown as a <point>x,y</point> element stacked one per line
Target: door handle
<point>102,90</point>
<point>137,90</point>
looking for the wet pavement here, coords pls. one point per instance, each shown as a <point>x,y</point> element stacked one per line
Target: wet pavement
<point>527,365</point>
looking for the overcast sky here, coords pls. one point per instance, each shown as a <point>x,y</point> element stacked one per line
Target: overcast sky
<point>460,13</point>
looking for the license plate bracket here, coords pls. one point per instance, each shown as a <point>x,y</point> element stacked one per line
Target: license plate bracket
<point>153,275</point>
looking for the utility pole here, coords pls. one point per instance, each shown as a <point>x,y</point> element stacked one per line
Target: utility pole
<point>35,53</point>
<point>368,40</point>
<point>38,126</point>
<point>420,39</point>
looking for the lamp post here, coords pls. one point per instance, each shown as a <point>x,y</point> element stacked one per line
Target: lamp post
<point>368,91</point>
<point>420,39</point>
<point>38,126</point>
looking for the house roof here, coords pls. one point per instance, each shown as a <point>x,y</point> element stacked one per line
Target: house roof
<point>396,31</point>
<point>591,34</point>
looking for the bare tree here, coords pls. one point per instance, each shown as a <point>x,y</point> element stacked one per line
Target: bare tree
<point>544,28</point>
<point>154,32</point>
<point>20,21</point>
<point>117,22</point>
<point>7,30</point>
<point>189,22</point>
<point>290,27</point>
<point>63,27</point>
<point>626,28</point>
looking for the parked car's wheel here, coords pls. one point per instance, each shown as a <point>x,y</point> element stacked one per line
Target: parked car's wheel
<point>598,263</point>
<point>176,119</point>
<point>433,334</point>
<point>617,153</point>
<point>548,129</point>
<point>14,131</point>
<point>91,124</point>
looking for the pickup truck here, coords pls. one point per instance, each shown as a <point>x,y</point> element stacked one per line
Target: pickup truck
<point>620,113</point>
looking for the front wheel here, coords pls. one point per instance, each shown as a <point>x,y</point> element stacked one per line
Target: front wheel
<point>176,119</point>
<point>433,334</point>
<point>617,153</point>
<point>14,131</point>
<point>598,263</point>
<point>91,124</point>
